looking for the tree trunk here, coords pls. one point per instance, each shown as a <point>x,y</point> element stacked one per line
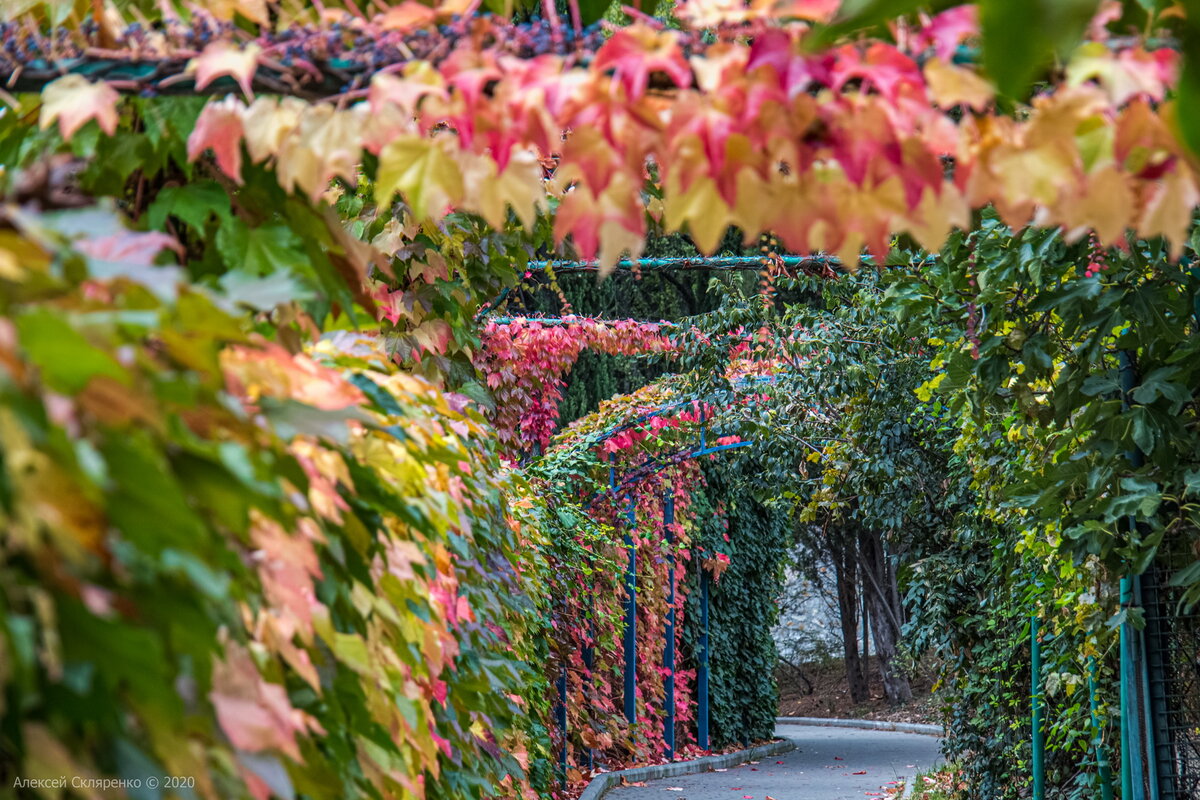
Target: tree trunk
<point>845,568</point>
<point>886,612</point>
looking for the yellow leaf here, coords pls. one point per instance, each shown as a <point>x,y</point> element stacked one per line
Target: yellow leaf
<point>1168,212</point>
<point>701,208</point>
<point>953,86</point>
<point>937,214</point>
<point>519,187</point>
<point>1106,206</point>
<point>72,101</point>
<point>419,169</point>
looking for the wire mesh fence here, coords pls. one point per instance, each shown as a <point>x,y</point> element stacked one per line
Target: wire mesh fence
<point>1172,637</point>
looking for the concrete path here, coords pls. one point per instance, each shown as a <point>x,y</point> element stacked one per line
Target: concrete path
<point>828,764</point>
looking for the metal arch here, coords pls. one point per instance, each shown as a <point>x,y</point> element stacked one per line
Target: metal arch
<point>655,465</point>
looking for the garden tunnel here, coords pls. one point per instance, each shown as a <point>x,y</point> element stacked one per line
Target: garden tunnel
<point>621,483</point>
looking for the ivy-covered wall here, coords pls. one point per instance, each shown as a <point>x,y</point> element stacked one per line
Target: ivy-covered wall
<point>743,696</point>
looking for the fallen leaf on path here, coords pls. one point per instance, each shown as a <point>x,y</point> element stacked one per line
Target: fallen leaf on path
<point>860,772</point>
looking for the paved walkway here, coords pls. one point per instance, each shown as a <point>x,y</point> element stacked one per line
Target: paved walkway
<point>828,764</point>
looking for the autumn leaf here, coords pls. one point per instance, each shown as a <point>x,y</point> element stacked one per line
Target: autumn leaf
<point>636,51</point>
<point>419,169</point>
<point>255,714</point>
<point>1168,211</point>
<point>220,127</point>
<point>225,59</point>
<point>518,187</point>
<point>952,86</point>
<point>73,101</point>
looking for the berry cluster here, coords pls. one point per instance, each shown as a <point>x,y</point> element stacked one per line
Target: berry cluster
<point>309,62</point>
<point>1098,258</point>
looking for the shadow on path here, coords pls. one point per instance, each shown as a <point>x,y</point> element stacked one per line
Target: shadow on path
<point>828,764</point>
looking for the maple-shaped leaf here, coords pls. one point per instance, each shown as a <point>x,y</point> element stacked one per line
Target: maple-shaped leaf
<point>1104,204</point>
<point>223,58</point>
<point>72,100</point>
<point>325,143</point>
<point>268,122</point>
<point>604,226</point>
<point>419,80</point>
<point>418,168</point>
<point>634,52</point>
<point>951,86</point>
<point>255,715</point>
<point>220,127</point>
<point>1168,211</point>
<point>701,208</point>
<point>518,187</point>
<point>937,213</point>
<point>433,336</point>
<point>1126,74</point>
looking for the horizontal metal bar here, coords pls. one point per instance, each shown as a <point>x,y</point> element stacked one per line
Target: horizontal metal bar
<point>690,262</point>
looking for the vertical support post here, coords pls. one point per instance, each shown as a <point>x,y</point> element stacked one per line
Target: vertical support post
<point>1133,780</point>
<point>589,661</point>
<point>1102,765</point>
<point>630,637</point>
<point>1039,740</point>
<point>703,428</point>
<point>561,713</point>
<point>1133,776</point>
<point>702,676</point>
<point>669,648</point>
<point>1147,709</point>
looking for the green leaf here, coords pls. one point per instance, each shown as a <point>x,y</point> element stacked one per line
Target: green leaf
<point>66,359</point>
<point>263,293</point>
<point>1021,37</point>
<point>194,205</point>
<point>259,251</point>
<point>1186,576</point>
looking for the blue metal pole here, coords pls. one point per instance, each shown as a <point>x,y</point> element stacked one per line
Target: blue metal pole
<point>1147,710</point>
<point>1133,781</point>
<point>669,649</point>
<point>589,660</point>
<point>630,636</point>
<point>1039,740</point>
<point>1106,784</point>
<point>702,677</point>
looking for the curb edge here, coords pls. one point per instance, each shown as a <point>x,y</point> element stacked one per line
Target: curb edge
<point>864,724</point>
<point>600,784</point>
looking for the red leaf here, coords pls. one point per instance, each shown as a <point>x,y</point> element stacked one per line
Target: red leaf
<point>220,127</point>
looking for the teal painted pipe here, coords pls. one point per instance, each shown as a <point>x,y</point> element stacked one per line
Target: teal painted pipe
<point>1102,765</point>
<point>1133,781</point>
<point>669,645</point>
<point>1039,734</point>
